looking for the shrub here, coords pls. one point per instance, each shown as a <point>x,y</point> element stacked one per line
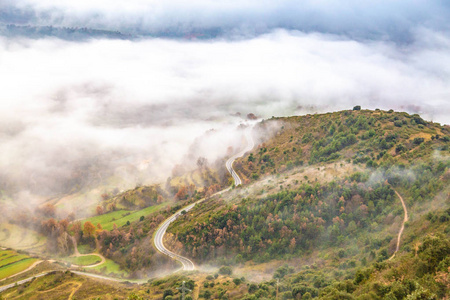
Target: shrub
<point>225,270</point>
<point>398,123</point>
<point>357,107</point>
<point>207,294</point>
<point>418,140</point>
<point>252,288</point>
<point>167,293</point>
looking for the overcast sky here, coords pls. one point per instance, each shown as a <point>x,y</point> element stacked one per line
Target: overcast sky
<point>67,104</point>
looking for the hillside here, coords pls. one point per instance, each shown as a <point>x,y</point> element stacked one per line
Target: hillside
<point>307,205</point>
<point>318,217</point>
<point>374,138</point>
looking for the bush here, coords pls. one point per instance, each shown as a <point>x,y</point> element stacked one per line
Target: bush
<point>207,294</point>
<point>398,123</point>
<point>225,270</point>
<point>167,293</point>
<point>399,148</point>
<point>237,281</point>
<point>252,288</point>
<point>357,107</point>
<point>418,140</point>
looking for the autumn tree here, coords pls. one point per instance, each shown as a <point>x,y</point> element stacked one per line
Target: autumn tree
<point>99,210</point>
<point>89,229</point>
<point>48,210</point>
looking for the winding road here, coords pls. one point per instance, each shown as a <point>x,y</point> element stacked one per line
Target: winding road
<point>187,264</point>
<point>230,161</point>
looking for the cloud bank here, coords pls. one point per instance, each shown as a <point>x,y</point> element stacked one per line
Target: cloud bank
<point>78,112</point>
<point>372,19</point>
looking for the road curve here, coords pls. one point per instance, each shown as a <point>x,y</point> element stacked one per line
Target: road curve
<point>188,265</point>
<point>230,161</point>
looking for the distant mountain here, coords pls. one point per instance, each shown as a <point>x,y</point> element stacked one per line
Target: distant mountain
<point>65,33</point>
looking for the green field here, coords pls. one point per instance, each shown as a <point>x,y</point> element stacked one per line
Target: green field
<point>84,260</point>
<point>85,249</point>
<point>121,217</point>
<point>6,254</point>
<point>12,263</point>
<point>12,259</point>
<point>110,267</point>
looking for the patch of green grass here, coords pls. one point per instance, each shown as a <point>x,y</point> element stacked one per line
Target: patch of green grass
<point>12,259</point>
<point>84,260</point>
<point>110,267</point>
<point>4,254</point>
<point>85,249</point>
<point>121,217</point>
<point>17,267</point>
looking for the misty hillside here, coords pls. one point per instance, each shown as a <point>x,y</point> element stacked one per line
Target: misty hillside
<point>236,149</point>
<point>324,193</point>
<point>320,211</point>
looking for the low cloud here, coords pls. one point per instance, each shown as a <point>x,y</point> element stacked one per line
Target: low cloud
<point>73,113</point>
<point>371,19</point>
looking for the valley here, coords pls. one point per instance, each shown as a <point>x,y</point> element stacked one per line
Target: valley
<point>326,206</point>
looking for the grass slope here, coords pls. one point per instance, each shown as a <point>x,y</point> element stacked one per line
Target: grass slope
<point>12,263</point>
<point>121,217</point>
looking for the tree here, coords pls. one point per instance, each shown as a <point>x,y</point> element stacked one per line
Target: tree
<point>48,210</point>
<point>357,107</point>
<point>89,229</point>
<point>202,162</point>
<point>99,210</point>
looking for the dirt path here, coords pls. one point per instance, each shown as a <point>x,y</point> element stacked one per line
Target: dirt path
<point>75,246</point>
<point>405,219</point>
<point>75,290</point>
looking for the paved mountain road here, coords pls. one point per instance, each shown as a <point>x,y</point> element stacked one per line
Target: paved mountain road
<point>188,265</point>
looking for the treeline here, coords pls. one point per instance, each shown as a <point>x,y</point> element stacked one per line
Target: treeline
<point>66,33</point>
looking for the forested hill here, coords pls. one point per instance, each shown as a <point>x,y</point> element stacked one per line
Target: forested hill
<point>365,137</point>
<point>321,195</point>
